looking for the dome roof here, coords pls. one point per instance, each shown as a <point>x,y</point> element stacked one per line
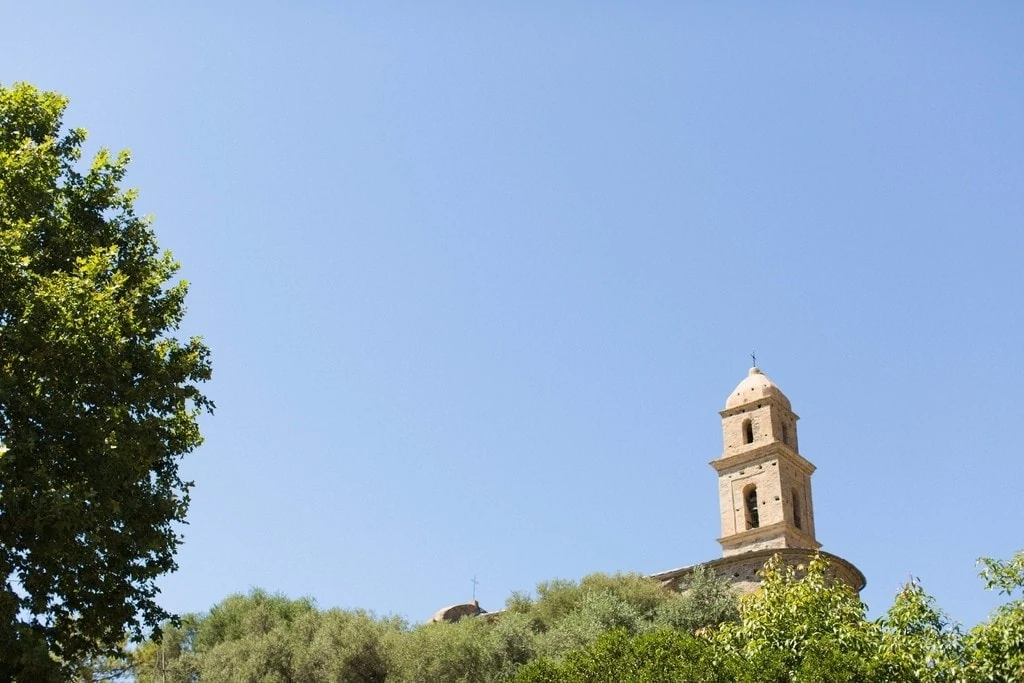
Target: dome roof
<point>456,612</point>
<point>755,387</point>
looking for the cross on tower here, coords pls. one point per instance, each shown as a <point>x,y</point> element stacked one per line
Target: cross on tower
<point>475,582</point>
<point>753,357</point>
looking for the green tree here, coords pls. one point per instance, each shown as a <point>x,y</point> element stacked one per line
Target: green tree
<point>170,658</point>
<point>98,399</point>
<point>263,638</point>
<point>568,615</point>
<point>463,651</point>
<point>996,648</point>
<point>811,628</point>
<point>918,641</point>
<point>574,622</point>
<point>662,655</point>
<point>800,628</point>
<point>705,600</point>
<point>343,647</point>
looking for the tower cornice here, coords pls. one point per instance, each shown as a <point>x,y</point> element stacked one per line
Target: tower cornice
<point>755,538</point>
<point>752,456</point>
<point>757,403</point>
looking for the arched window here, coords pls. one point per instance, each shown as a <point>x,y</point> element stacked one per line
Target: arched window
<point>750,498</point>
<point>785,434</point>
<point>797,521</point>
<point>748,432</point>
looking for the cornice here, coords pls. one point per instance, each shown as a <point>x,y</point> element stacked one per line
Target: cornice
<point>754,455</point>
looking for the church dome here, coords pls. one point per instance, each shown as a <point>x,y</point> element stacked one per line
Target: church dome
<point>755,387</point>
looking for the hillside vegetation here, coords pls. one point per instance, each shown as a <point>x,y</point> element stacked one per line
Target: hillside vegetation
<point>798,627</point>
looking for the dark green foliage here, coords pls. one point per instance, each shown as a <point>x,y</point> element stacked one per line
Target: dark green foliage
<point>98,400</point>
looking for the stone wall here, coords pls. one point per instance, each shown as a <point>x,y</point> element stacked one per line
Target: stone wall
<point>742,570</point>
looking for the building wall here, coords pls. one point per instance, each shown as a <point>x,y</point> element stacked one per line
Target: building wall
<point>742,570</point>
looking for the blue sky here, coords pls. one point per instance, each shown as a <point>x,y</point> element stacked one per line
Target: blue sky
<point>477,277</point>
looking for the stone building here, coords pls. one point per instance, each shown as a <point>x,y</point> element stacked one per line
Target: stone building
<point>453,613</point>
<point>764,491</point>
<point>764,495</point>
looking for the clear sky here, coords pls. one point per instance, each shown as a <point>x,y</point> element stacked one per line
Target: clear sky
<point>477,277</point>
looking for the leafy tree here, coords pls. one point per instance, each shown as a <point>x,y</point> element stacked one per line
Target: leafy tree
<point>597,613</point>
<point>705,600</point>
<point>515,644</point>
<point>918,641</point>
<point>805,628</point>
<point>660,655</point>
<point>171,657</point>
<point>567,614</point>
<point>97,399</point>
<point>459,652</point>
<point>248,638</point>
<point>265,638</point>
<point>799,627</point>
<point>342,646</point>
<point>996,648</point>
<point>810,628</point>
<point>572,620</point>
<point>565,619</point>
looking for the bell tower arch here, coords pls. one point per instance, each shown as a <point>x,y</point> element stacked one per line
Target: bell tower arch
<point>764,484</point>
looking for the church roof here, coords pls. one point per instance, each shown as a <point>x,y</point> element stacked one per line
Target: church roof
<point>755,387</point>
<point>456,612</point>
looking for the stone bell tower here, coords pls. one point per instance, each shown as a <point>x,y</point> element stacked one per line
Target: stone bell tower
<point>764,493</point>
<point>764,484</point>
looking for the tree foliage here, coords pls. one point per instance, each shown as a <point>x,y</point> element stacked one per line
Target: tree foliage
<point>263,638</point>
<point>800,627</point>
<point>567,616</point>
<point>663,654</point>
<point>98,399</point>
<point>807,626</point>
<point>995,649</point>
<point>266,638</point>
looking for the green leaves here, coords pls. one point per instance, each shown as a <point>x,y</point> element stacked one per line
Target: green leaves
<point>262,637</point>
<point>800,627</point>
<point>259,637</point>
<point>661,655</point>
<point>995,648</point>
<point>98,399</point>
<point>918,641</point>
<point>1005,576</point>
<point>799,622</point>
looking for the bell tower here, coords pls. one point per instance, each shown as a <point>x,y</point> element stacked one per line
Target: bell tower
<point>764,484</point>
<point>764,493</point>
